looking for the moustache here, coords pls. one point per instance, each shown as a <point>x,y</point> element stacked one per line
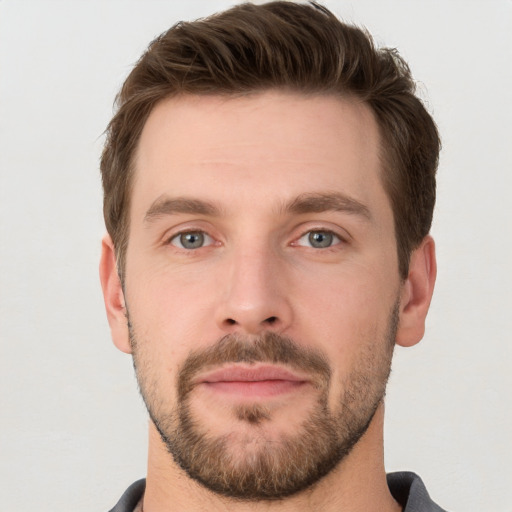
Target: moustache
<point>267,348</point>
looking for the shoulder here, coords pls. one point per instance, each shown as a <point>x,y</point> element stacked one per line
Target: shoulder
<point>409,491</point>
<point>131,497</point>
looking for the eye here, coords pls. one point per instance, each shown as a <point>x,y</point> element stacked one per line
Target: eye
<point>191,240</point>
<point>319,239</point>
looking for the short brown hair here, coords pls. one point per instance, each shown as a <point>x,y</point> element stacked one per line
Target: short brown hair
<point>280,45</point>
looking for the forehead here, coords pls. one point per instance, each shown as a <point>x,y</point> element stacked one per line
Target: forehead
<point>262,147</point>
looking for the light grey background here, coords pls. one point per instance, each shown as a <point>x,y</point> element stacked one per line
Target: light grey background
<point>73,430</point>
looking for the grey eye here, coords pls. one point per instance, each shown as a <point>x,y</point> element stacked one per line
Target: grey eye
<point>319,239</point>
<point>191,240</point>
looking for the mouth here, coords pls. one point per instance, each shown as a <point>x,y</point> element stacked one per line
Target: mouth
<point>262,381</point>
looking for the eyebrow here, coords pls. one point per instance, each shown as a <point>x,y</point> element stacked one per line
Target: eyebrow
<point>172,206</point>
<point>323,202</point>
<point>303,204</point>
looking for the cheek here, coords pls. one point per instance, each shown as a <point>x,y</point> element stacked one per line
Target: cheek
<point>344,297</point>
<point>169,312</point>
<point>345,312</point>
<point>156,290</point>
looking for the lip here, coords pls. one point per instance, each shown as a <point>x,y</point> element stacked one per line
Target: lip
<point>250,374</point>
<point>255,381</point>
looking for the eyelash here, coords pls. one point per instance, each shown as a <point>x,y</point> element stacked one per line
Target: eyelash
<point>336,239</point>
<point>177,236</point>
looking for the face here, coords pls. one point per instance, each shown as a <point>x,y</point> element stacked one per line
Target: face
<point>262,285</point>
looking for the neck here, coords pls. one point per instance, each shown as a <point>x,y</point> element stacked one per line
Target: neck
<point>357,484</point>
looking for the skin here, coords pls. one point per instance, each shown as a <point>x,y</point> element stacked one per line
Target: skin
<point>251,158</point>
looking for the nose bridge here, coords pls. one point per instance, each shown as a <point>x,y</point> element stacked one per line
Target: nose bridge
<point>254,293</point>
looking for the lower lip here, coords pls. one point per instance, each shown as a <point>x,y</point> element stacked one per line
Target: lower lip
<point>254,389</point>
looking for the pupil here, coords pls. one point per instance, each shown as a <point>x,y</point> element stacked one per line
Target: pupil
<point>319,240</point>
<point>192,240</point>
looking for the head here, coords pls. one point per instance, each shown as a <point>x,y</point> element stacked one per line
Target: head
<point>269,185</point>
<point>289,47</point>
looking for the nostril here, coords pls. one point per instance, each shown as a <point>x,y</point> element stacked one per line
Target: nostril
<point>268,322</point>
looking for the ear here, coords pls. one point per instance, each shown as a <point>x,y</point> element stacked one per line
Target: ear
<point>416,293</point>
<point>114,296</point>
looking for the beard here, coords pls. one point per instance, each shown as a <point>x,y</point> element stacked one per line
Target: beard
<point>250,464</point>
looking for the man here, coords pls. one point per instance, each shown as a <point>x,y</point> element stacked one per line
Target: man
<point>269,183</point>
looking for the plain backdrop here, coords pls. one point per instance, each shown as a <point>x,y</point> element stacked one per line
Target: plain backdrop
<point>73,428</point>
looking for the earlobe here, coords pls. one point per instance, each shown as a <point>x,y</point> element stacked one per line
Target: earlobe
<point>113,296</point>
<point>416,293</point>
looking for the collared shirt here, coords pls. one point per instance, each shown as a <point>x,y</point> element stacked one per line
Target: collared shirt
<point>407,488</point>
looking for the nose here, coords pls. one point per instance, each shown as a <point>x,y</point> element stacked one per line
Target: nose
<point>253,294</point>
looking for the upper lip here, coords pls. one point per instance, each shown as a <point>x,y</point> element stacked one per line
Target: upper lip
<point>238,373</point>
